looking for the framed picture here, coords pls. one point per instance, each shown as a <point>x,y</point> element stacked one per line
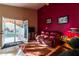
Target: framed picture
<point>63,20</point>
<point>48,20</point>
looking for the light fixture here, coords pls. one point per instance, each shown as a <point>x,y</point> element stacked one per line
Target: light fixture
<point>47,4</point>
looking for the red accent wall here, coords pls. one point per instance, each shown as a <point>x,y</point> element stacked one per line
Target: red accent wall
<point>56,10</point>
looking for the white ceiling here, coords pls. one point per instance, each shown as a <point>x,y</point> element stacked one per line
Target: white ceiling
<point>26,5</point>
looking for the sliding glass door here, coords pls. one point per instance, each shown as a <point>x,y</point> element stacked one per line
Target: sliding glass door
<point>14,30</point>
<point>19,32</point>
<point>8,30</point>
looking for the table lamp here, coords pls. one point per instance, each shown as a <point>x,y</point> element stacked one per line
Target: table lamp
<point>73,32</point>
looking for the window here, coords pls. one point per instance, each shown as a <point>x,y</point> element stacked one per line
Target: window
<point>14,31</point>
